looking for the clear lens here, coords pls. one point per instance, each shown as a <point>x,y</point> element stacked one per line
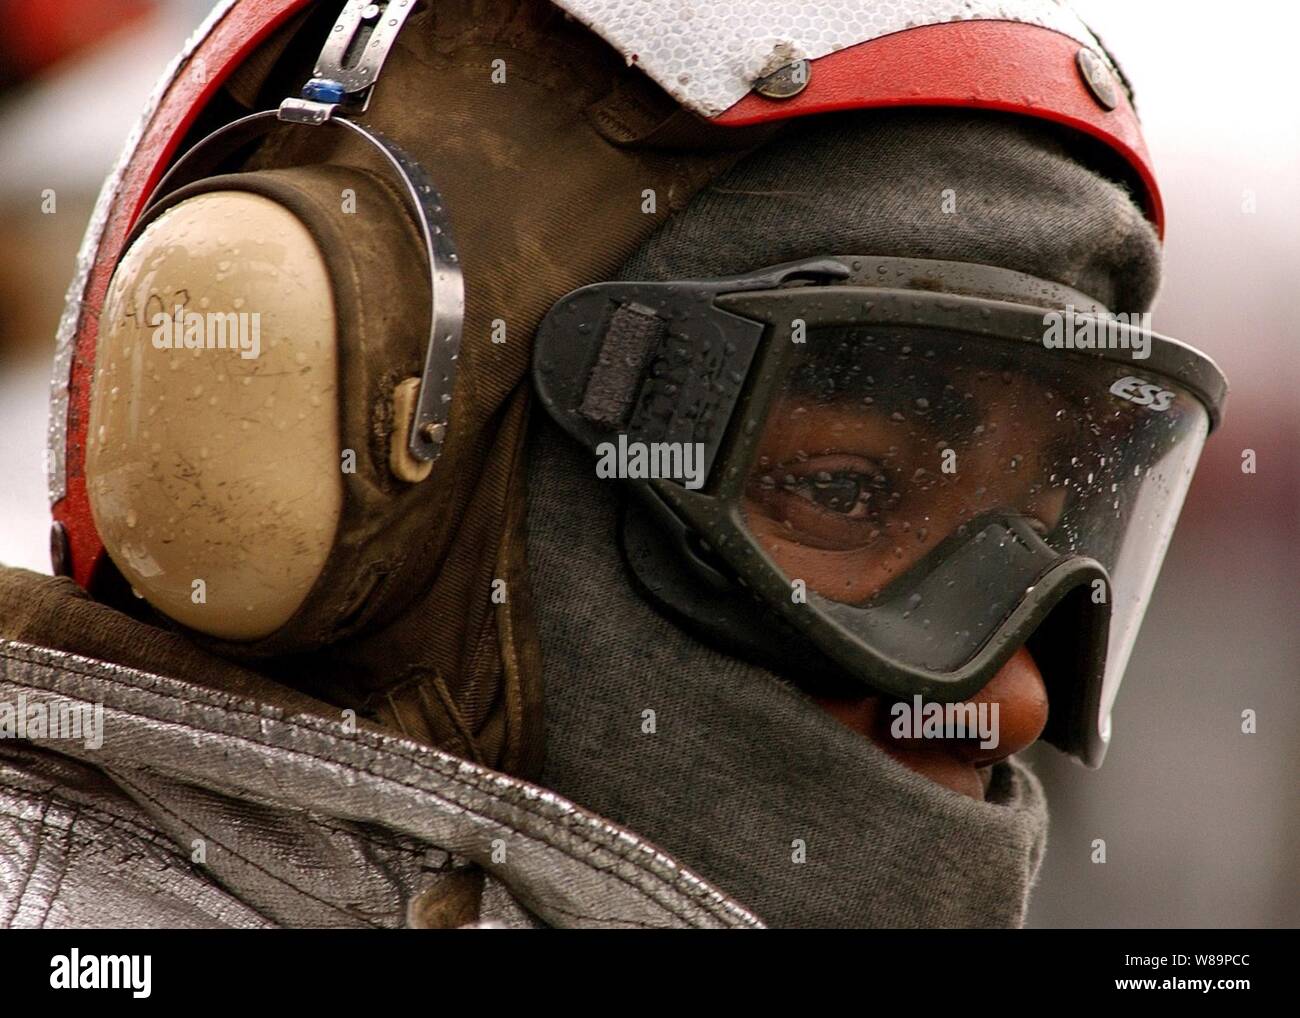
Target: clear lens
<point>885,443</point>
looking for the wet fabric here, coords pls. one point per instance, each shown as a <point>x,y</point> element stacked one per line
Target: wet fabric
<point>742,776</point>
<point>883,182</point>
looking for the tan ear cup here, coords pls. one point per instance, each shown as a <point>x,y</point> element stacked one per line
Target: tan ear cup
<point>213,459</point>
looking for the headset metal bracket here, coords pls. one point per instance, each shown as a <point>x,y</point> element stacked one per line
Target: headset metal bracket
<point>350,61</point>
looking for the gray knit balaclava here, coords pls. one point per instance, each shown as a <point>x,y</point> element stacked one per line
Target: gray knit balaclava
<point>742,777</point>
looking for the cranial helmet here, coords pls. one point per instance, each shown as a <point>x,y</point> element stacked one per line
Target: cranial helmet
<point>352,241</point>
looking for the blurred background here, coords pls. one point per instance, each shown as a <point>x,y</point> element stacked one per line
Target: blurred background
<point>1201,822</point>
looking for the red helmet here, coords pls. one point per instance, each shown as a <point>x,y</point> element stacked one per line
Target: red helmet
<point>735,64</point>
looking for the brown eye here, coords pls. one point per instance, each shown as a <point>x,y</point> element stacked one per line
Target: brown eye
<point>834,501</point>
<point>845,492</point>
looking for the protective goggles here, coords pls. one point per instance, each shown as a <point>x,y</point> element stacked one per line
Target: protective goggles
<point>916,467</point>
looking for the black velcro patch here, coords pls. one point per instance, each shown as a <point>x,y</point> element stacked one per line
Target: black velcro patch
<point>633,334</point>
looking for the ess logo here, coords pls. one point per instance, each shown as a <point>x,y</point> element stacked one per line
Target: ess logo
<point>1143,393</point>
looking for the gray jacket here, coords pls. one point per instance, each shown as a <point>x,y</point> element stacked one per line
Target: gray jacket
<point>200,809</point>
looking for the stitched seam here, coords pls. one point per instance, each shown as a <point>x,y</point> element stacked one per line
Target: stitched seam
<point>61,870</point>
<point>96,813</point>
<point>522,834</point>
<point>83,841</point>
<point>136,790</point>
<point>678,884</point>
<point>36,861</point>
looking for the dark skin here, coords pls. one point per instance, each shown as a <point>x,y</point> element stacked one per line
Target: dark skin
<point>959,764</point>
<point>848,497</point>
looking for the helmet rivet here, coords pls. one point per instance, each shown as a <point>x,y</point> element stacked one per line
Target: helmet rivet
<point>1098,79</point>
<point>785,82</point>
<point>433,433</point>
